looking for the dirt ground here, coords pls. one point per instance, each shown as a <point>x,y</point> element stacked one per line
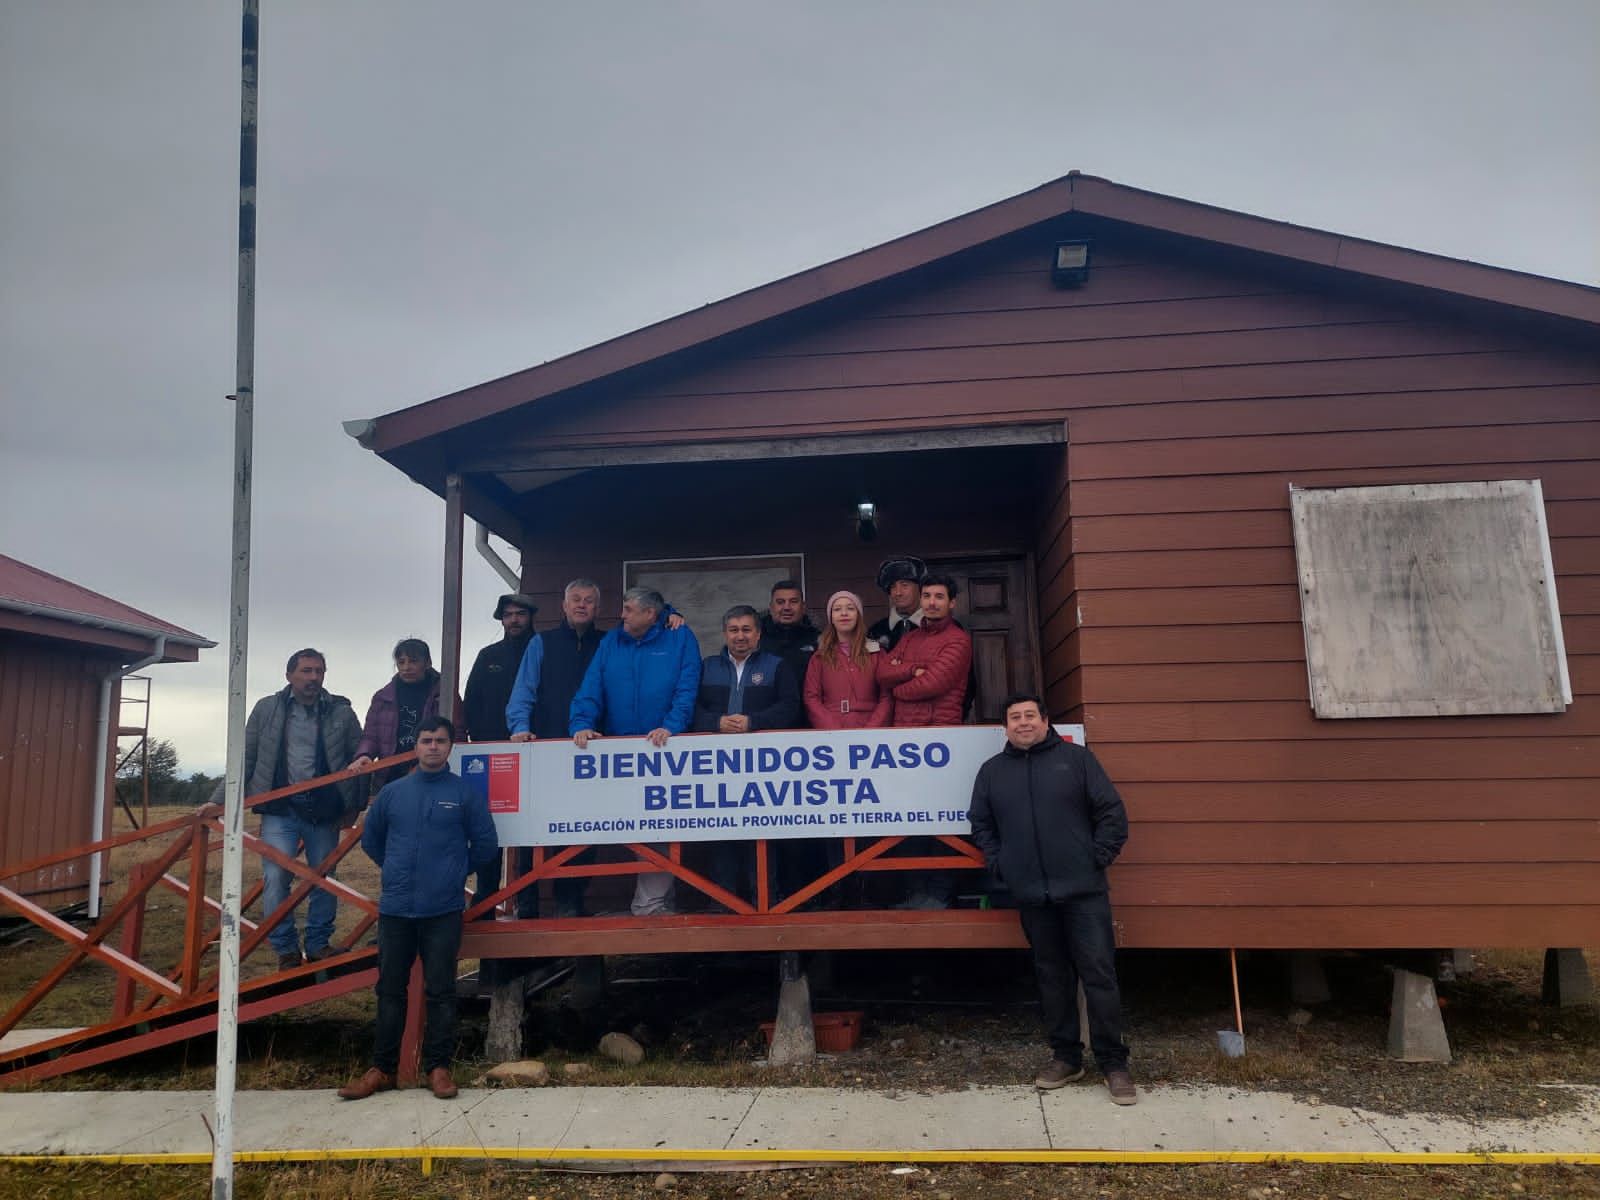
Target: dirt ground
<point>938,1021</point>
<point>459,1181</point>
<point>935,1020</point>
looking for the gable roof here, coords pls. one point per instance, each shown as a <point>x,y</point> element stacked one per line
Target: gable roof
<point>30,592</point>
<point>1073,193</point>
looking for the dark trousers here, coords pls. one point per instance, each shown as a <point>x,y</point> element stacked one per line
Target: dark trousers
<point>733,868</point>
<point>401,941</point>
<point>1072,940</point>
<point>569,892</point>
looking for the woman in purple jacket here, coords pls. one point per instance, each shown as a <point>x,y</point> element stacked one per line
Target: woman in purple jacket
<point>401,705</point>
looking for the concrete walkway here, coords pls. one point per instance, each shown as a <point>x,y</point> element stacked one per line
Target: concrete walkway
<point>664,1122</point>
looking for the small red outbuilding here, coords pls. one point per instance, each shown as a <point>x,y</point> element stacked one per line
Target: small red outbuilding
<point>63,652</point>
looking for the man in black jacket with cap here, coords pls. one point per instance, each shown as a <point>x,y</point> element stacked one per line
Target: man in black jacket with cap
<point>1049,822</point>
<point>488,689</point>
<point>495,670</point>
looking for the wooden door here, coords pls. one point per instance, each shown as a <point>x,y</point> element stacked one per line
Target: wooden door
<point>997,608</point>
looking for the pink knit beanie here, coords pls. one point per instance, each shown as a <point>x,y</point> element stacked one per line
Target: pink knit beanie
<point>861,611</point>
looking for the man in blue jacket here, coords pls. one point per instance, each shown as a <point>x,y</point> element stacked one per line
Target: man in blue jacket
<point>1049,822</point>
<point>426,832</point>
<point>643,681</point>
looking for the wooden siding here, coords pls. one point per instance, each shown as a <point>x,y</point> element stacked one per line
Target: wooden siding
<point>1197,385</point>
<point>49,696</point>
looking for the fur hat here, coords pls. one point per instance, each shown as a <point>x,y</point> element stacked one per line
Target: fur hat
<point>892,570</point>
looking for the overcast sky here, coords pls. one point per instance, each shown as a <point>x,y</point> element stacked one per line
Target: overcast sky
<point>450,192</point>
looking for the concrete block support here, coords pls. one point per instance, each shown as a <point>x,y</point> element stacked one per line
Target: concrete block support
<point>1567,982</point>
<point>1416,1027</point>
<point>1308,982</point>
<point>794,1039</point>
<point>504,1043</point>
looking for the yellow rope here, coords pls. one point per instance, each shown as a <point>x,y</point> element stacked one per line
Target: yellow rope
<point>427,1155</point>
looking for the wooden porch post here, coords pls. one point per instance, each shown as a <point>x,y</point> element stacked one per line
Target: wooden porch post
<point>450,647</point>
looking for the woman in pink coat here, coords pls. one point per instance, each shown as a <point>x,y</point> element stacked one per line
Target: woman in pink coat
<point>841,690</point>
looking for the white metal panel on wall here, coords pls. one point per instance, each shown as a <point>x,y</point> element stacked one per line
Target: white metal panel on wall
<point>1429,600</point>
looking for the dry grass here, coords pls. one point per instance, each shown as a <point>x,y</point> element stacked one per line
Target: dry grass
<point>85,995</point>
<point>471,1181</point>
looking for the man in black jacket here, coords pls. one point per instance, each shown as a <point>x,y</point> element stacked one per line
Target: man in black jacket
<point>900,579</point>
<point>787,632</point>
<point>484,706</point>
<point>1049,822</point>
<point>495,670</point>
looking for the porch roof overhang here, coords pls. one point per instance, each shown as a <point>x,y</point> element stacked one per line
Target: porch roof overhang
<point>525,470</point>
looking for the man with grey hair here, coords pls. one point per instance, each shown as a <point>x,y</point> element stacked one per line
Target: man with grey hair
<point>642,682</point>
<point>553,666</point>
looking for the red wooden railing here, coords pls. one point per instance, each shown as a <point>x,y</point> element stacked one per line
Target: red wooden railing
<point>153,1006</point>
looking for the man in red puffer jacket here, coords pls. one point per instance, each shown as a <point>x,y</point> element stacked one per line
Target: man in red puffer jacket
<point>927,672</point>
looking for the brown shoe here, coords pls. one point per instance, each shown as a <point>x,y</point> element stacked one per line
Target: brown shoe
<point>288,962</point>
<point>321,953</point>
<point>1056,1073</point>
<point>1120,1085</point>
<point>440,1083</point>
<point>373,1081</point>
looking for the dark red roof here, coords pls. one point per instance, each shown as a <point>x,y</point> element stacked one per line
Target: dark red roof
<point>27,589</point>
<point>1073,193</point>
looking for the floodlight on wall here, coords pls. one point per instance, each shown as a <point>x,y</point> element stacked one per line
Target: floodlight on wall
<point>867,520</point>
<point>1071,265</point>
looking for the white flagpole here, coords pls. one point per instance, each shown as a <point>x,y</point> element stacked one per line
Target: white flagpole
<point>239,620</point>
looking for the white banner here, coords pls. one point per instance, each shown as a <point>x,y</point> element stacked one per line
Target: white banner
<point>715,787</point>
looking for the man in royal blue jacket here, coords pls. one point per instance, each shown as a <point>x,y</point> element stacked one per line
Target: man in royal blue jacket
<point>643,681</point>
<point>426,832</point>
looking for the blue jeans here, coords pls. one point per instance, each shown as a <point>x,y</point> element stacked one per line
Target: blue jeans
<point>287,833</point>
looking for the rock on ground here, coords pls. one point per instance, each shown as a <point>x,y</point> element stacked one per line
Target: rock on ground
<point>619,1047</point>
<point>525,1073</point>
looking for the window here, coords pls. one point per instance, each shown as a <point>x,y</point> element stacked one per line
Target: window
<point>1429,600</point>
<point>702,589</point>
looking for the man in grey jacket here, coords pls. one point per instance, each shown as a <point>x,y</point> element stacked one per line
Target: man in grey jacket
<point>1049,822</point>
<point>300,733</point>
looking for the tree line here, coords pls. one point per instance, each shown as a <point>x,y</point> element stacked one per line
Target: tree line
<point>168,784</point>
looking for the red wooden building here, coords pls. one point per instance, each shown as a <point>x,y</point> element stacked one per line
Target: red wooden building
<point>1109,465</point>
<point>63,651</point>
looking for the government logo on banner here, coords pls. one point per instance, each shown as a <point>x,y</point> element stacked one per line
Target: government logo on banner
<point>496,777</point>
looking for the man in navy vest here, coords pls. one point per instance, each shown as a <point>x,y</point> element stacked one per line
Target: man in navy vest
<point>742,690</point>
<point>552,667</point>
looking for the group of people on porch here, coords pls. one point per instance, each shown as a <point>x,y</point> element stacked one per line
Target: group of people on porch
<point>776,670</point>
<point>427,830</point>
